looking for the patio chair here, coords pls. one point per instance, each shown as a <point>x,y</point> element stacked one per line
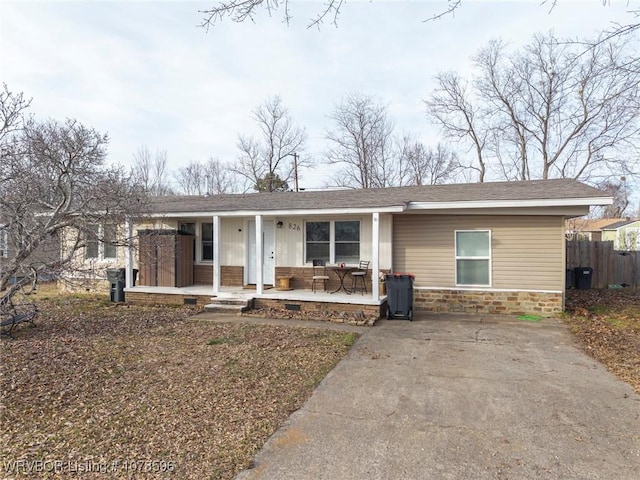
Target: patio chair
<point>359,276</point>
<point>319,275</point>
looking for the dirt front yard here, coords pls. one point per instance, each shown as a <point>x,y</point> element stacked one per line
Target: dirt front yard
<point>607,323</point>
<point>100,389</point>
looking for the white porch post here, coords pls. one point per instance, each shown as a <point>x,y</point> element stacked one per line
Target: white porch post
<point>216,254</point>
<point>259,256</point>
<point>128,253</point>
<point>375,256</point>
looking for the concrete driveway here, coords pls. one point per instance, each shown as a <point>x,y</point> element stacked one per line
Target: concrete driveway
<point>461,397</point>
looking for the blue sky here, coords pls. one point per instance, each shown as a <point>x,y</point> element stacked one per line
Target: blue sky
<point>147,75</point>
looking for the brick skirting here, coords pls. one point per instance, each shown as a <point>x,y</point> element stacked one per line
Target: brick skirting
<point>202,274</point>
<point>369,312</point>
<point>507,303</point>
<point>231,276</point>
<point>143,298</point>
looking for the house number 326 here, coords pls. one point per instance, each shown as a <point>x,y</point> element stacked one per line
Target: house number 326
<point>294,226</point>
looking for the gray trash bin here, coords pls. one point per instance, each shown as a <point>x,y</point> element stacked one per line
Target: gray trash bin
<point>116,278</point>
<point>399,295</point>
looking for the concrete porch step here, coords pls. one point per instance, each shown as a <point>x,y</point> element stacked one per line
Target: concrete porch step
<point>229,301</point>
<point>228,305</point>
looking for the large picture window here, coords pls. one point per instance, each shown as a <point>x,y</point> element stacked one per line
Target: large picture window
<point>207,241</point>
<point>333,241</point>
<point>473,258</point>
<point>100,242</point>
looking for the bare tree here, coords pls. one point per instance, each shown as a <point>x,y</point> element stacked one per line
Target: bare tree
<point>361,142</point>
<point>206,178</point>
<point>425,165</point>
<point>453,108</point>
<point>242,10</point>
<point>69,191</point>
<point>617,190</point>
<point>150,171</point>
<point>12,108</point>
<point>552,109</point>
<point>271,155</point>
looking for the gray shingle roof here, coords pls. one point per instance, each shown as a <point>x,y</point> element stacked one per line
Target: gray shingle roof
<point>615,226</point>
<point>375,198</point>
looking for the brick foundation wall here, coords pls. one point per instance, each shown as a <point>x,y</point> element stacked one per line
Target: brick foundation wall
<point>314,307</point>
<point>507,303</point>
<point>203,274</point>
<point>231,276</point>
<point>142,298</point>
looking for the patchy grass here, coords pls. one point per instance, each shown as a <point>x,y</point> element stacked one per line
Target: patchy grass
<point>96,385</point>
<point>607,322</point>
<point>530,318</point>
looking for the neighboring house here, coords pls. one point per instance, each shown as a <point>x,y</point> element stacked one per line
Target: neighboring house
<point>484,247</point>
<point>46,252</point>
<point>588,228</point>
<point>625,234</point>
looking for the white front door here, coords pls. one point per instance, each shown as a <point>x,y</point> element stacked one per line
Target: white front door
<point>268,250</point>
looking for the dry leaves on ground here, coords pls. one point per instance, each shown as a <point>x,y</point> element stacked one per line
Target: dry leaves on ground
<point>98,387</point>
<point>607,322</point>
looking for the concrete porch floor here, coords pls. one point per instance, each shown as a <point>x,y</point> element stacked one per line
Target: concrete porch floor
<point>270,293</point>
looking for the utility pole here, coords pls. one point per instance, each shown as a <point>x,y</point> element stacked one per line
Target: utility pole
<point>295,170</point>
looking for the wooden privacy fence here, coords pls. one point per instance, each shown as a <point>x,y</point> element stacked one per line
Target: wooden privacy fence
<point>610,267</point>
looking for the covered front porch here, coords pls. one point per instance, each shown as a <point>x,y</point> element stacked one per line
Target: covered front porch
<point>243,255</point>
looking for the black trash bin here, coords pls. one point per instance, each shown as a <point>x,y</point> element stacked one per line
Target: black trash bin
<point>399,295</point>
<point>583,277</point>
<point>116,278</point>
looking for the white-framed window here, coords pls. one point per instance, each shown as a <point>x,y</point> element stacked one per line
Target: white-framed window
<point>334,241</point>
<point>101,242</point>
<point>473,257</point>
<point>206,241</point>
<point>4,242</point>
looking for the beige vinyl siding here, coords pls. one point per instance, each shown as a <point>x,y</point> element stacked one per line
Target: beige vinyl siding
<point>526,251</point>
<point>232,241</point>
<point>290,242</point>
<point>386,241</point>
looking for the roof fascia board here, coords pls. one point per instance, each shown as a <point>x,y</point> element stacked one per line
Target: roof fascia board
<point>575,211</point>
<point>284,213</point>
<point>545,202</point>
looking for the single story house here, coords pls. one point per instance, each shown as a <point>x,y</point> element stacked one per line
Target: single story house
<point>484,247</point>
<point>625,234</point>
<point>588,228</point>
